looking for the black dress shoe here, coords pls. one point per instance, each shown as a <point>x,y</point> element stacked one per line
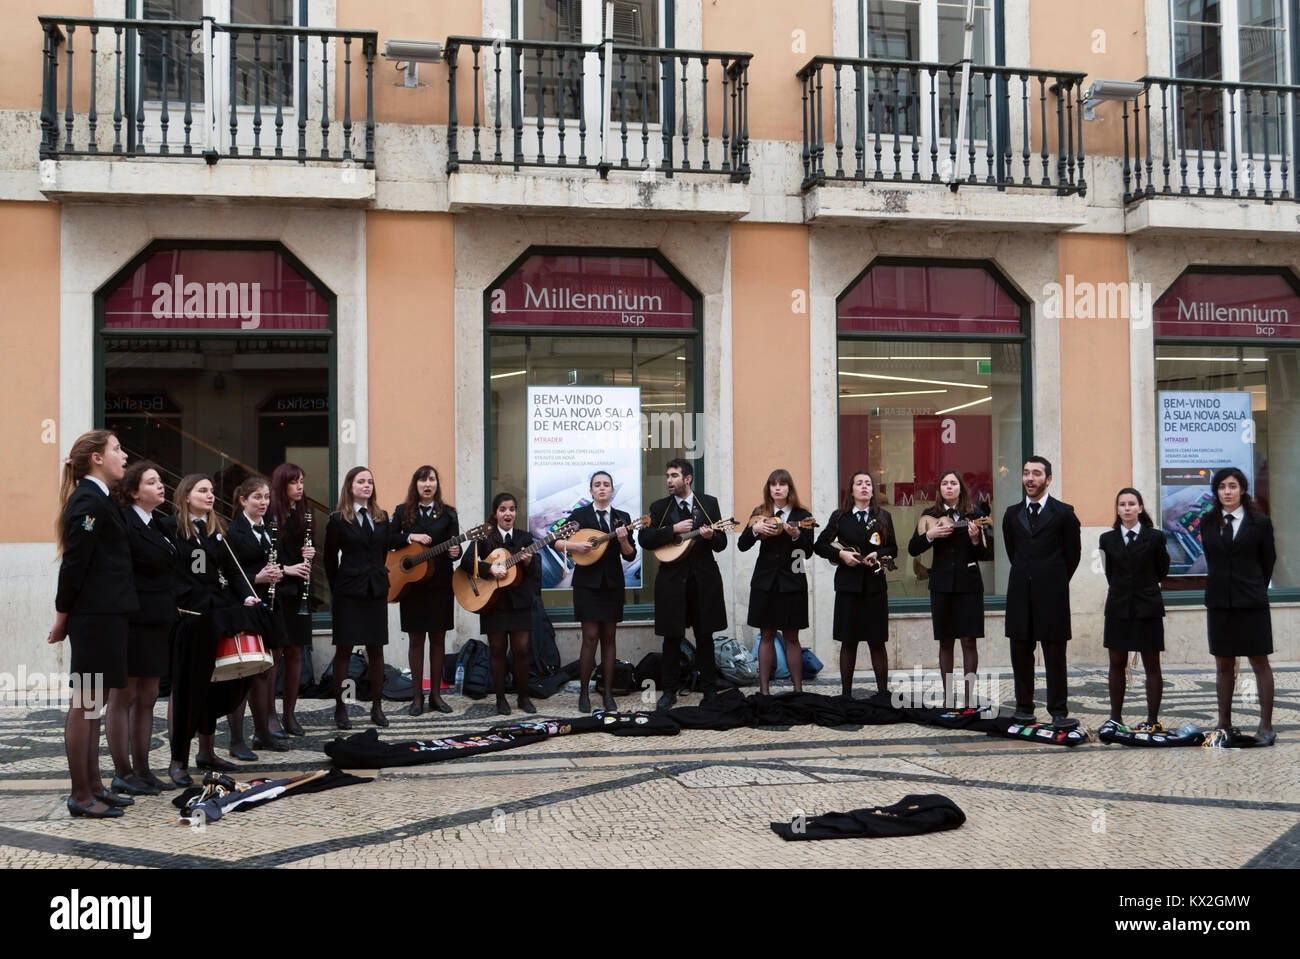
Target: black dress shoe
<point>109,799</point>
<point>584,702</point>
<point>503,707</point>
<point>1024,718</point>
<point>341,720</point>
<point>439,705</point>
<point>240,751</point>
<point>377,716</point>
<point>416,708</point>
<point>526,705</point>
<point>273,744</point>
<point>668,700</point>
<point>1062,721</point>
<point>112,812</point>
<point>139,787</point>
<point>149,779</point>
<point>292,728</point>
<point>611,706</point>
<point>218,765</point>
<point>180,776</point>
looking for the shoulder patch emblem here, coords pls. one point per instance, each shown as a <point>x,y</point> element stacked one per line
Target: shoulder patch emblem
<point>88,524</point>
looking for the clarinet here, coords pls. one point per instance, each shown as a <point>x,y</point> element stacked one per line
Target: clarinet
<point>304,608</point>
<point>272,559</point>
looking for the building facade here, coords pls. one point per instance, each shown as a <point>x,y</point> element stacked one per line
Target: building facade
<point>755,234</point>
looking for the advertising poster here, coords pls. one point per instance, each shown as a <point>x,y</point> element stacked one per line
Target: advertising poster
<point>573,432</point>
<point>1200,432</point>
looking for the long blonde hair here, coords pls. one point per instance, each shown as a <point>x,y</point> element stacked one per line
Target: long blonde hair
<point>184,518</point>
<point>75,467</point>
<point>347,506</point>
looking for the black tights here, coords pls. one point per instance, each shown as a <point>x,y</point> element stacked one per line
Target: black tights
<point>593,634</point>
<point>518,641</point>
<point>1118,681</point>
<point>849,661</point>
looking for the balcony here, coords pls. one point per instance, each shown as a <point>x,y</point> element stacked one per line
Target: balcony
<point>1227,150</point>
<point>899,140</point>
<point>198,108</point>
<point>673,139</point>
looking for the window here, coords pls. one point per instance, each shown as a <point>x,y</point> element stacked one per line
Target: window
<point>930,379</point>
<point>1227,346</point>
<point>582,323</point>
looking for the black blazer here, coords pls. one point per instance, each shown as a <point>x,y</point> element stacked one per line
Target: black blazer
<point>251,554</point>
<point>1134,573</point>
<point>1042,562</point>
<point>201,561</point>
<point>527,584</point>
<point>844,526</point>
<point>360,570</point>
<point>153,563</point>
<point>776,571</point>
<point>953,569</point>
<point>607,572</point>
<point>1238,572</point>
<point>440,528</point>
<point>95,577</point>
<point>697,570</point>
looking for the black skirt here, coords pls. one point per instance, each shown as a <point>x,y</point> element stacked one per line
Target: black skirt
<point>502,619</point>
<point>598,604</point>
<point>426,607</point>
<point>148,649</point>
<point>99,648</point>
<point>1240,632</point>
<point>196,701</point>
<point>776,610</point>
<point>297,629</point>
<point>360,621</point>
<point>861,617</point>
<point>954,615</point>
<point>1134,635</point>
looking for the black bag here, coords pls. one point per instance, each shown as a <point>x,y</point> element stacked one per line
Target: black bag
<point>543,654</point>
<point>307,679</point>
<point>356,673</point>
<point>624,678</point>
<point>651,668</point>
<point>397,685</point>
<point>476,659</point>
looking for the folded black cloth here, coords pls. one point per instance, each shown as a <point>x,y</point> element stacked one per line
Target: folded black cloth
<point>367,751</point>
<point>910,816</point>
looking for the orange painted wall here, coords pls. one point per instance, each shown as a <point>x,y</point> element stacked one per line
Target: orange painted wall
<point>770,390</point>
<point>1064,36</point>
<point>413,20</point>
<point>21,52</point>
<point>766,28</point>
<point>1096,428</point>
<point>409,315</point>
<point>29,369</point>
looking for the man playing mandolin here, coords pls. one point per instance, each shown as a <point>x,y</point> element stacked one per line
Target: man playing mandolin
<point>688,589</point>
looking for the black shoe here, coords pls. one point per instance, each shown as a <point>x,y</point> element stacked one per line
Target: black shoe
<point>1024,718</point>
<point>526,705</point>
<point>139,787</point>
<point>668,700</point>
<point>1062,721</point>
<point>416,708</point>
<point>112,812</point>
<point>1266,739</point>
<point>149,779</point>
<point>437,705</point>
<point>584,702</point>
<point>271,743</point>
<point>218,765</point>
<point>108,799</point>
<point>610,705</point>
<point>292,728</point>
<point>240,751</point>
<point>341,717</point>
<point>180,776</point>
<point>377,716</point>
<point>503,707</point>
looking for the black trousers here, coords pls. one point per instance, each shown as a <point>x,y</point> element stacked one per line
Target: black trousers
<point>1022,667</point>
<point>704,659</point>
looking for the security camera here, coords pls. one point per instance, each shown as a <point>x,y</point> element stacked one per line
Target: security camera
<point>1102,90</point>
<point>412,53</point>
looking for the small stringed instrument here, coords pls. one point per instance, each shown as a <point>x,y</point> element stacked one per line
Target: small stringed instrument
<point>928,522</point>
<point>599,541</point>
<point>806,523</point>
<point>475,592</point>
<point>878,565</point>
<point>410,564</point>
<point>682,544</point>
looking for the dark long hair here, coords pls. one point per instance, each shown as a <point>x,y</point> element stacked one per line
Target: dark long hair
<point>791,499</point>
<point>1143,518</point>
<point>284,510</point>
<point>496,502</point>
<point>413,495</point>
<point>964,507</point>
<point>874,512</point>
<point>1214,518</point>
<point>131,480</point>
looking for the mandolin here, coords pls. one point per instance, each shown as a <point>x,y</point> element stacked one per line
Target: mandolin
<point>928,522</point>
<point>806,523</point>
<point>475,592</point>
<point>410,564</point>
<point>681,545</point>
<point>599,541</point>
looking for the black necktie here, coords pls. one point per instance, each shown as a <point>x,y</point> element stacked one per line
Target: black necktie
<point>600,518</point>
<point>363,520</point>
<point>779,514</point>
<point>1227,526</point>
<point>862,516</point>
<point>426,512</point>
<point>1033,514</point>
<point>1132,535</point>
<point>202,526</point>
<point>952,514</point>
<point>683,509</point>
<point>509,540</point>
<point>260,532</point>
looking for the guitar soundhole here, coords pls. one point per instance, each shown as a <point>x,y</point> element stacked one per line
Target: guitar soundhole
<point>406,564</point>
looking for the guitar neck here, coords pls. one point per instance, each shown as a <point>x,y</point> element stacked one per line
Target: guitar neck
<point>530,550</point>
<point>432,551</point>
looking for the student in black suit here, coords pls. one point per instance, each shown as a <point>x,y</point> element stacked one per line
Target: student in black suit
<point>956,587</point>
<point>778,590</point>
<point>253,538</point>
<point>96,594</point>
<point>598,589</point>
<point>153,564</point>
<point>688,592</point>
<point>356,545</point>
<point>1136,560</point>
<point>426,606</point>
<point>865,549</point>
<point>1239,554</point>
<point>1042,538</point>
<point>291,512</point>
<point>210,609</point>
<point>508,619</point>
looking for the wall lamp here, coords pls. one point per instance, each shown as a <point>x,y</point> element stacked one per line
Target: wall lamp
<point>412,53</point>
<point>1102,90</point>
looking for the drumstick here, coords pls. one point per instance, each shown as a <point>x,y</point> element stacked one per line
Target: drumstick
<point>244,576</point>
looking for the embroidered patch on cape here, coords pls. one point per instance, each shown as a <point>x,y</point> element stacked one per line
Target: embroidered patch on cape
<point>88,524</point>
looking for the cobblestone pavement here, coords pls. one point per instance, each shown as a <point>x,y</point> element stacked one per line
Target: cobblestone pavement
<point>705,798</point>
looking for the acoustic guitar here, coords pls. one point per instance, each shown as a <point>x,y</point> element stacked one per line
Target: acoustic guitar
<point>681,544</point>
<point>599,541</point>
<point>410,564</point>
<point>475,592</point>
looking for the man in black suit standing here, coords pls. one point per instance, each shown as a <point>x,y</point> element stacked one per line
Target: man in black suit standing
<point>688,592</point>
<point>1042,538</point>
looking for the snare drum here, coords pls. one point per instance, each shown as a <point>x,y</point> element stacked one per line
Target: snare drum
<point>239,656</point>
